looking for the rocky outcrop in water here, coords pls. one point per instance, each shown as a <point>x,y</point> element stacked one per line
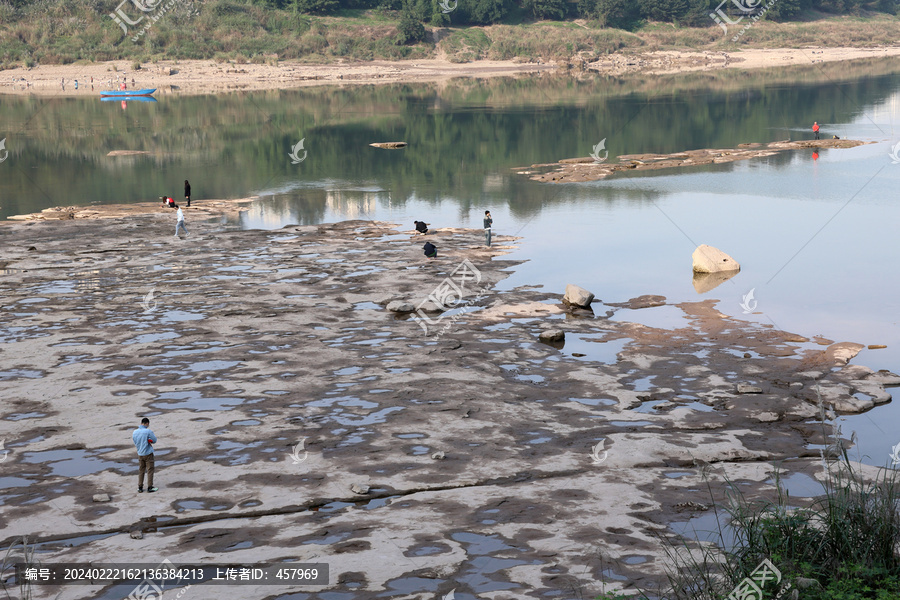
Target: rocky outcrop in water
<point>708,259</point>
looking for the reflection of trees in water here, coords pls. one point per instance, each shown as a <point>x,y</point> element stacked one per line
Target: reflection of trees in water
<point>465,137</point>
<point>306,207</point>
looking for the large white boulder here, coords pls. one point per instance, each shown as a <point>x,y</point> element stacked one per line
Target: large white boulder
<point>708,259</point>
<point>578,296</point>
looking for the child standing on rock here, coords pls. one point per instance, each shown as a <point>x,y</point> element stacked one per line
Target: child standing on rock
<point>180,221</point>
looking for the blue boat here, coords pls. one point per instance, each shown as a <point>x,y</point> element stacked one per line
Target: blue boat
<point>126,93</point>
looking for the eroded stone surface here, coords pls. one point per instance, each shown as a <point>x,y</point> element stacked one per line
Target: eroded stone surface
<point>571,170</point>
<point>253,342</point>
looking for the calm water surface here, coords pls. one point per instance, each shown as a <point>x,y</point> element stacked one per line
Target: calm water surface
<point>816,235</point>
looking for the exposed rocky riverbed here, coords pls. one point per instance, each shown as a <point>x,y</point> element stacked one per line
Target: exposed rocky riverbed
<point>595,167</point>
<point>478,444</point>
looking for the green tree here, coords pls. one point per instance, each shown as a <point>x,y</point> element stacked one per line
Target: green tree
<point>621,14</point>
<point>783,10</point>
<point>483,12</point>
<point>664,10</point>
<point>547,9</point>
<point>319,7</point>
<point>410,30</point>
<point>438,17</point>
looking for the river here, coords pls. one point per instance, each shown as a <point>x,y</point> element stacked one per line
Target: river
<point>815,233</point>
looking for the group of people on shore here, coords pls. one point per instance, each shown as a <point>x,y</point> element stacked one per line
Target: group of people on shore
<point>431,249</point>
<point>169,202</point>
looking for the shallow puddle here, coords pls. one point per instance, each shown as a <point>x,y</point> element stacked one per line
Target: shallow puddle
<point>799,485</point>
<point>193,401</point>
<point>659,317</point>
<point>708,527</point>
<point>589,348</point>
<point>73,463</point>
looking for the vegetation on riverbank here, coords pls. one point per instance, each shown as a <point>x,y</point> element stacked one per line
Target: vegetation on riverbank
<point>56,32</point>
<point>841,546</point>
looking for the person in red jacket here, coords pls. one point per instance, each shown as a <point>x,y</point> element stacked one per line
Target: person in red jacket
<point>816,129</point>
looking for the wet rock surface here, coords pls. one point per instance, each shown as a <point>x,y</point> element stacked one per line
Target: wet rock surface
<point>279,386</point>
<point>571,170</point>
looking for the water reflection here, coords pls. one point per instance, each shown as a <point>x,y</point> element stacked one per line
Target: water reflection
<point>465,137</point>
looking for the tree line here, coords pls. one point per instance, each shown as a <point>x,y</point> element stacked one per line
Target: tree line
<point>624,14</point>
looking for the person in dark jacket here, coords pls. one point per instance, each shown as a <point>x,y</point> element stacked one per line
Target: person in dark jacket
<point>187,192</point>
<point>430,250</point>
<point>421,226</point>
<point>488,223</point>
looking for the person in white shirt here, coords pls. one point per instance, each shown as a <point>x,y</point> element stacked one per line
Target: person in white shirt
<point>180,221</point>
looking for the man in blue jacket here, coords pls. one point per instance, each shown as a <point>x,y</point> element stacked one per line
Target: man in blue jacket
<point>143,441</point>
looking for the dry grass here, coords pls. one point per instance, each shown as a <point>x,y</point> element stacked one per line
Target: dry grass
<point>51,32</point>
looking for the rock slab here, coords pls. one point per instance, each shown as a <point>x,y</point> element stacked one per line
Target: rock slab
<point>708,259</point>
<point>578,296</point>
<point>399,306</point>
<point>552,335</point>
<point>359,488</point>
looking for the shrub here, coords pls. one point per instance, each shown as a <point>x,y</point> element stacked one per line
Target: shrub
<point>409,31</point>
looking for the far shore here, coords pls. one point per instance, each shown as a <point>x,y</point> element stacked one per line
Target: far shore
<point>209,76</point>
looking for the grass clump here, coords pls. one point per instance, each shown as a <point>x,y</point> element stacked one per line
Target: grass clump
<point>842,546</point>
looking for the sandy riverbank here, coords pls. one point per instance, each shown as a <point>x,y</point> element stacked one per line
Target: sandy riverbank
<point>474,439</point>
<point>207,76</point>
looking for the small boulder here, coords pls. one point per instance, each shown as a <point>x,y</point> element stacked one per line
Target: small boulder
<point>399,306</point>
<point>712,260</point>
<point>137,534</point>
<point>359,488</point>
<point>578,296</point>
<point>439,455</point>
<point>102,498</point>
<point>552,335</point>
<point>430,306</point>
<point>746,388</point>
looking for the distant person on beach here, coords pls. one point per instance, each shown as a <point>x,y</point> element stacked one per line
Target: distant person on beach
<point>488,223</point>
<point>430,250</point>
<point>816,129</point>
<point>180,221</point>
<point>167,202</point>
<point>421,226</point>
<point>144,439</point>
<point>187,192</point>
